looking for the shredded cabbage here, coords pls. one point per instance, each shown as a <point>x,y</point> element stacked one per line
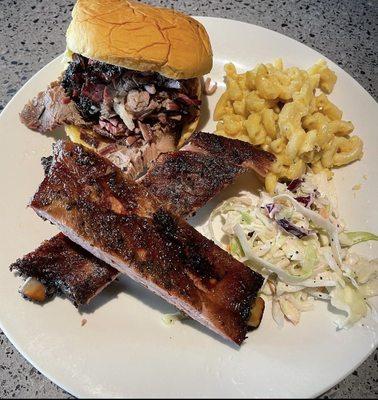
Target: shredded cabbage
<point>348,239</point>
<point>351,301</point>
<point>299,269</point>
<point>318,220</point>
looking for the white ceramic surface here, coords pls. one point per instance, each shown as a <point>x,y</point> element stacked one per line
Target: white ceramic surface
<point>125,349</point>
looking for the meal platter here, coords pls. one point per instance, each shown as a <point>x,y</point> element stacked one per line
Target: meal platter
<point>118,346</point>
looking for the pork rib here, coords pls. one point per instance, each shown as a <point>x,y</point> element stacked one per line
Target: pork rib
<point>64,267</point>
<point>233,150</point>
<point>120,222</point>
<point>184,181</point>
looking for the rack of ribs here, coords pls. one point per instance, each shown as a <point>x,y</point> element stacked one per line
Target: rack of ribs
<point>122,223</point>
<point>183,181</point>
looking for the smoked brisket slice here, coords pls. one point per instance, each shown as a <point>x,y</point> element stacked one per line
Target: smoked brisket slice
<point>64,267</point>
<point>120,222</point>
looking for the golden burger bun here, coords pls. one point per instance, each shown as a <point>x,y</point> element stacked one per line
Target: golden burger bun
<point>140,37</point>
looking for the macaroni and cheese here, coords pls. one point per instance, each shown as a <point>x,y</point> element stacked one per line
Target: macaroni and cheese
<point>286,111</point>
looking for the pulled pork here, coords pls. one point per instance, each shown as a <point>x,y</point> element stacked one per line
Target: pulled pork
<point>119,103</point>
<point>50,109</point>
<point>129,117</point>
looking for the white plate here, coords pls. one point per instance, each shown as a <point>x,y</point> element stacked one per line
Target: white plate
<point>125,349</point>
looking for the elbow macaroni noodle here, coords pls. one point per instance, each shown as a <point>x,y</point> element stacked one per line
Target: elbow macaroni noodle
<point>286,111</point>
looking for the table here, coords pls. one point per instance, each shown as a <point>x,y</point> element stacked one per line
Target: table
<point>32,33</point>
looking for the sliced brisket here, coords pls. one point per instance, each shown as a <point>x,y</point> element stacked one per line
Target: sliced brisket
<point>185,181</point>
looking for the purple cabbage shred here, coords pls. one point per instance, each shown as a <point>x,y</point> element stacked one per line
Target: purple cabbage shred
<point>293,229</point>
<point>305,200</point>
<point>294,184</point>
<point>272,209</point>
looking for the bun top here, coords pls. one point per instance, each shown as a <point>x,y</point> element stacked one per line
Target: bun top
<point>140,37</point>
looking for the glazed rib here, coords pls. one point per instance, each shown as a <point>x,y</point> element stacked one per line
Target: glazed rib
<point>64,267</point>
<point>120,222</point>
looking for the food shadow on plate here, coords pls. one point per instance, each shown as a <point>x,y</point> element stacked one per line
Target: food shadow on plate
<point>189,322</point>
<point>153,301</point>
<point>333,311</point>
<point>56,134</point>
<point>126,285</point>
<point>108,294</point>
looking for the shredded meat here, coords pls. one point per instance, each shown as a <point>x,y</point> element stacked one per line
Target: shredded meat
<point>112,101</point>
<point>49,109</point>
<point>137,101</point>
<point>209,89</point>
<point>104,92</point>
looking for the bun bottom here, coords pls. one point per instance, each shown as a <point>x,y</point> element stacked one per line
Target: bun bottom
<point>74,134</point>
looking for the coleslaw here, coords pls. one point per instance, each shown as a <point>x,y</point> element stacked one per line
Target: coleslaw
<point>298,242</point>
